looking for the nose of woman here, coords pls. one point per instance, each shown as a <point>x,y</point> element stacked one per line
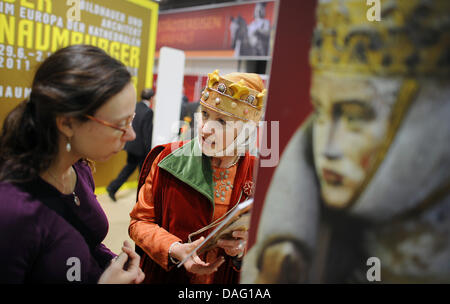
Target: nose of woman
<point>130,135</point>
<point>208,128</point>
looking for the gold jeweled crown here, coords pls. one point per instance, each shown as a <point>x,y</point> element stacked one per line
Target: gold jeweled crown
<point>412,38</point>
<point>234,99</point>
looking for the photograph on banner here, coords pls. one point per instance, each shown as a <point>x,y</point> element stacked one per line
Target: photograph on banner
<point>228,31</point>
<point>362,190</point>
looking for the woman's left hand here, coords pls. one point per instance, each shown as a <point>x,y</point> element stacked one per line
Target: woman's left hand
<point>234,247</point>
<point>123,269</point>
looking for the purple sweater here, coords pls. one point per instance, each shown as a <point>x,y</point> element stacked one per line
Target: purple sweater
<point>36,243</point>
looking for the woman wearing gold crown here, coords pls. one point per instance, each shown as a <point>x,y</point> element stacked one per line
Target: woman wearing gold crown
<point>189,186</point>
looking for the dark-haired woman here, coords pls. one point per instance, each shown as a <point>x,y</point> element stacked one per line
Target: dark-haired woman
<point>80,108</point>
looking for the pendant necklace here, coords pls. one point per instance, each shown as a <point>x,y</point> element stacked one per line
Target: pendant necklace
<point>76,200</point>
<point>234,163</point>
<point>229,166</point>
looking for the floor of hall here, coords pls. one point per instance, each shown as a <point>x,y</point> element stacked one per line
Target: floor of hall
<point>118,214</point>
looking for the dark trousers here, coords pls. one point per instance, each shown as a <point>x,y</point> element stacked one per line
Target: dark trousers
<point>133,161</point>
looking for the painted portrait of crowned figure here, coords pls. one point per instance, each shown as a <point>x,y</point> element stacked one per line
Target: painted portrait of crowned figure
<point>368,174</point>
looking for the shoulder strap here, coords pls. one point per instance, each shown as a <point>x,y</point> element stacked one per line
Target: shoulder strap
<point>151,156</point>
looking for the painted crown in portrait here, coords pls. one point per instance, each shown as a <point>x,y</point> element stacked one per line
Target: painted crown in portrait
<point>412,37</point>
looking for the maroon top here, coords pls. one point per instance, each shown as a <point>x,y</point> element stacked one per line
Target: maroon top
<point>37,243</point>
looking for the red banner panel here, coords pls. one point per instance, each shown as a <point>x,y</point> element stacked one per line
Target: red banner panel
<point>228,31</point>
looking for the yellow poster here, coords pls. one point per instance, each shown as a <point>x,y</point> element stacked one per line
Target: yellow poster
<point>31,30</point>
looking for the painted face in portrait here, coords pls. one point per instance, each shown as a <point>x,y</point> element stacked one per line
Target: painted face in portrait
<point>351,124</point>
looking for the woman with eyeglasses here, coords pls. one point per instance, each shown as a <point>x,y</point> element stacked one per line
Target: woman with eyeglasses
<point>80,108</point>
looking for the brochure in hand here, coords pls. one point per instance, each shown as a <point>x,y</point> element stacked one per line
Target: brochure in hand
<point>238,219</point>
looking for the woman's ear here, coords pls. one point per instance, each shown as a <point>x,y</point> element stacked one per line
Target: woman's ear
<point>65,125</point>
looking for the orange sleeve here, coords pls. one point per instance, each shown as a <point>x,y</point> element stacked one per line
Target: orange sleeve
<point>143,230</point>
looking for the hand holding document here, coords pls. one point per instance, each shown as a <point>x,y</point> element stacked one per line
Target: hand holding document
<point>237,219</point>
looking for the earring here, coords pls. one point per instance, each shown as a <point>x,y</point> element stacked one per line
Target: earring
<point>68,146</point>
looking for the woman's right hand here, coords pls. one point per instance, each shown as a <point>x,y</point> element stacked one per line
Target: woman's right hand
<point>194,264</point>
<point>119,273</point>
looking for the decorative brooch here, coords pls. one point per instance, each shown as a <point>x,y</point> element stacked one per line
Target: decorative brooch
<point>248,188</point>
